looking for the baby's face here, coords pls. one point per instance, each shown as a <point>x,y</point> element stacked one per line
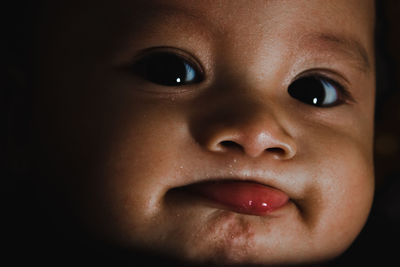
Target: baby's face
<point>222,131</point>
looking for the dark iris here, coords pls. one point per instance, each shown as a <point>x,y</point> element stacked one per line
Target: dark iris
<point>167,69</point>
<point>314,91</point>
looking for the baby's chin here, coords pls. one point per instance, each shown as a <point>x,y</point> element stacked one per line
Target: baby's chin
<point>226,238</point>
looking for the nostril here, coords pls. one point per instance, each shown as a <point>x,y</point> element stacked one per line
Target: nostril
<point>276,150</point>
<point>231,145</point>
<point>279,152</point>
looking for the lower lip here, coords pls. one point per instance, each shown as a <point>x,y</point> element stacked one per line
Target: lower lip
<point>243,197</point>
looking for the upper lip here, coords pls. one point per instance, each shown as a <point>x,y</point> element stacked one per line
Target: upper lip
<point>241,176</point>
<point>289,179</point>
<point>233,178</point>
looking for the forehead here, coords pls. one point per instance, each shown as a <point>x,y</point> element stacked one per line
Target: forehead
<point>348,24</point>
<point>261,15</point>
<point>224,16</point>
<point>225,12</point>
<point>345,25</point>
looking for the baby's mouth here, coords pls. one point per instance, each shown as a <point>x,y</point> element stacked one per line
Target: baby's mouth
<point>244,197</point>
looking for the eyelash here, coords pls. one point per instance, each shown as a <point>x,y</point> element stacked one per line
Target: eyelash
<point>172,68</point>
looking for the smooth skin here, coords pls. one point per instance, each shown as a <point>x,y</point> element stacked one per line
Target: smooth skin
<point>120,146</point>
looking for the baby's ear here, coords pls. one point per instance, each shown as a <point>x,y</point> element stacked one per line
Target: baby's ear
<point>16,116</point>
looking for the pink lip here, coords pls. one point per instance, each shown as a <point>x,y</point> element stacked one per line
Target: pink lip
<point>243,197</point>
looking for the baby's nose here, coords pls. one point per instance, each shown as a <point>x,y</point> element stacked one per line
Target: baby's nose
<point>252,143</point>
<point>253,131</point>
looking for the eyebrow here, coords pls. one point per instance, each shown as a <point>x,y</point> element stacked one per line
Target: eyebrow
<point>350,47</point>
<point>170,14</point>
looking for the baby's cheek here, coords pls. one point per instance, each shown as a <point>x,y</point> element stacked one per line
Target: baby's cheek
<point>133,178</point>
<point>346,193</point>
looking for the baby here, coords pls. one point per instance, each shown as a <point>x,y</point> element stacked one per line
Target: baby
<point>223,132</point>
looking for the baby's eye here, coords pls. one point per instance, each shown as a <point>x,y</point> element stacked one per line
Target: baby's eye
<point>168,69</point>
<point>317,91</point>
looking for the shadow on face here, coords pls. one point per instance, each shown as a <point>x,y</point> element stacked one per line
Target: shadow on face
<point>136,105</point>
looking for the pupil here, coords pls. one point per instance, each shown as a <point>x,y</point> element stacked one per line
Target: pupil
<point>309,90</point>
<point>163,68</point>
